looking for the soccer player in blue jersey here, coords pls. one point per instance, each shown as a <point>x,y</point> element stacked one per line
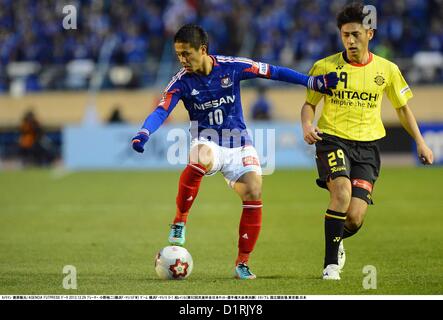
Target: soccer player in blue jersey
<point>209,87</point>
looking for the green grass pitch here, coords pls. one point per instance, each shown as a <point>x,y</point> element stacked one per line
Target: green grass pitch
<point>110,225</point>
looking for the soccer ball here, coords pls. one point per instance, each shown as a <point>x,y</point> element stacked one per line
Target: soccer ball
<point>173,263</point>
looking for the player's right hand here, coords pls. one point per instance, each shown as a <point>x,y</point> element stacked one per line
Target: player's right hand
<point>324,83</point>
<point>138,142</point>
<point>311,134</point>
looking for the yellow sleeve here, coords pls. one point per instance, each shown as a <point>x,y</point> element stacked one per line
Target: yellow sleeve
<point>314,97</point>
<point>398,90</point>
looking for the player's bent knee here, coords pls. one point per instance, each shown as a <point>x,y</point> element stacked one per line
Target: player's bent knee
<point>341,196</point>
<point>353,223</point>
<point>340,191</point>
<point>252,193</point>
<point>203,155</point>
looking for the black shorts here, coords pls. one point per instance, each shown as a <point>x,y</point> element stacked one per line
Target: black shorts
<point>357,160</point>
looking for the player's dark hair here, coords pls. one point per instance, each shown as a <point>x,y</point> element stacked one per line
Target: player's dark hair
<point>193,34</point>
<point>352,12</point>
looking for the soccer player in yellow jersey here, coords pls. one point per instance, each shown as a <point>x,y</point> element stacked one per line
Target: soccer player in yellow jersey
<point>350,124</point>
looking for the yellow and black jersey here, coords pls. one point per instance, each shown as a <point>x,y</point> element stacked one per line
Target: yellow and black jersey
<point>353,112</point>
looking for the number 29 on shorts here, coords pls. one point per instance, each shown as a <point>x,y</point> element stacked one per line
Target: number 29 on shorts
<point>332,157</point>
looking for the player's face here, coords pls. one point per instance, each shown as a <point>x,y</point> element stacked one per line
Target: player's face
<point>355,39</point>
<point>190,58</point>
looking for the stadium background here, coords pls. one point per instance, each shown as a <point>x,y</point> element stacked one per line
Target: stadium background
<point>121,56</point>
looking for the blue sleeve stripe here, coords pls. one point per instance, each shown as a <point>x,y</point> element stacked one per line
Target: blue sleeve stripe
<point>235,59</point>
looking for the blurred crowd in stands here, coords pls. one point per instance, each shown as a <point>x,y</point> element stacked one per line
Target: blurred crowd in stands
<point>36,53</point>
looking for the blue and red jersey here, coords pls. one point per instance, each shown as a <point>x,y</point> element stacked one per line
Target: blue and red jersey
<point>213,101</point>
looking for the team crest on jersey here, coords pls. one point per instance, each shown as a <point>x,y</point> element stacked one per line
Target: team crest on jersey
<point>379,80</point>
<point>226,82</point>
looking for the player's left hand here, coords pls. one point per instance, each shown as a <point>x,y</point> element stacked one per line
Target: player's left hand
<point>324,83</point>
<point>425,154</point>
<point>139,141</point>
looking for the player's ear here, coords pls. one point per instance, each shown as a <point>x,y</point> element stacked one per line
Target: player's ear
<point>204,49</point>
<point>370,34</point>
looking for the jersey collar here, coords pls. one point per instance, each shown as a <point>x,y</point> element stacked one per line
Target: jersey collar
<point>215,63</point>
<point>345,57</point>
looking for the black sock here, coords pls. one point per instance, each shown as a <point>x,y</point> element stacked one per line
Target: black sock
<point>334,223</point>
<point>349,233</point>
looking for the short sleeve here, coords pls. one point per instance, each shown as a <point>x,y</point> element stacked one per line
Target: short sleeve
<point>398,90</point>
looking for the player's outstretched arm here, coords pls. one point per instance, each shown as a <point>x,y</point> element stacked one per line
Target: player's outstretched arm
<point>251,69</point>
<point>322,83</point>
<point>151,124</point>
<point>170,98</point>
<point>408,122</point>
<point>310,131</point>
